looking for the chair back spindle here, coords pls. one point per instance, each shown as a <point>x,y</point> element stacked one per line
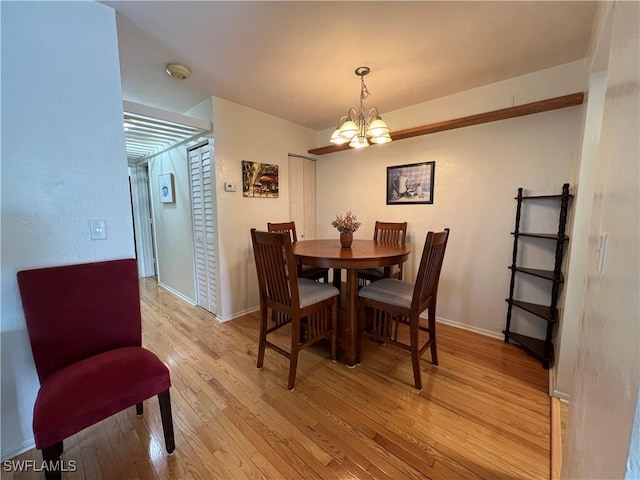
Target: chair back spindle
<point>275,265</point>
<point>426,286</point>
<point>392,232</point>
<point>281,227</point>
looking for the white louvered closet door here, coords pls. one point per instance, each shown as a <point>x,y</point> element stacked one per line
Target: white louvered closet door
<point>204,227</point>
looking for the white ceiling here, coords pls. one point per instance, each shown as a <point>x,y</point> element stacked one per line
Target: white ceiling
<point>296,60</point>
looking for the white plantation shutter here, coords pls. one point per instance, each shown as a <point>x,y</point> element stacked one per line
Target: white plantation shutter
<point>204,227</point>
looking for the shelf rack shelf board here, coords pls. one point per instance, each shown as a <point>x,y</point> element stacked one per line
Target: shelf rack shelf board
<point>534,346</point>
<point>536,272</point>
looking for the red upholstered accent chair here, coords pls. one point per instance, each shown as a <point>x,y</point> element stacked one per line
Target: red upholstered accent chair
<point>85,330</point>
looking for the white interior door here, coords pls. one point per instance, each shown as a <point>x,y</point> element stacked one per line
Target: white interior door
<point>302,195</point>
<point>296,194</point>
<point>309,198</point>
<point>142,220</point>
<point>205,226</point>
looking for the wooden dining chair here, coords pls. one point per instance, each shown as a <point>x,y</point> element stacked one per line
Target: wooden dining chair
<point>304,271</point>
<point>395,303</point>
<point>291,300</point>
<point>393,232</point>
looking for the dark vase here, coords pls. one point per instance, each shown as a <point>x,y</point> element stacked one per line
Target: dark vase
<point>346,239</point>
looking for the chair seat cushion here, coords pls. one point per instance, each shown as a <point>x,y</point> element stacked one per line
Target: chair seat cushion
<point>370,273</point>
<point>313,272</point>
<point>93,389</point>
<point>374,274</point>
<point>313,292</point>
<point>390,291</point>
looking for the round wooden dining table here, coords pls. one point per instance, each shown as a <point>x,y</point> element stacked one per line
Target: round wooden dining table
<point>362,254</point>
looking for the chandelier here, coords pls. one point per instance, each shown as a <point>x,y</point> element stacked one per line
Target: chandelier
<point>355,128</point>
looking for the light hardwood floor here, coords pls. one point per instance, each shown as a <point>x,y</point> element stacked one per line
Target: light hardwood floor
<point>483,413</point>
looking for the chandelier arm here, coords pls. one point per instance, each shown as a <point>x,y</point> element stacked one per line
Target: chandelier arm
<point>341,121</point>
<point>371,114</point>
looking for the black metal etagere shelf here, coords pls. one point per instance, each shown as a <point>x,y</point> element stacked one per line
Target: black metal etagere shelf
<point>542,349</point>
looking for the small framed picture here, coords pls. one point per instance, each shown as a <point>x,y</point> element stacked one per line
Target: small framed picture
<point>408,184</point>
<point>165,184</point>
<point>259,180</point>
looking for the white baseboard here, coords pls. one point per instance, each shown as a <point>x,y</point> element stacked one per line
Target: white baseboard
<point>177,293</point>
<point>22,447</point>
<point>552,380</point>
<point>563,397</point>
<point>481,331</point>
<point>237,314</point>
<point>553,391</point>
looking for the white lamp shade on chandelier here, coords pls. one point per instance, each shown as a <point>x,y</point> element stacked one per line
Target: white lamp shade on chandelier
<point>357,129</point>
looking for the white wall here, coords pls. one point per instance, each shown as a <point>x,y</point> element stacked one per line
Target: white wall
<point>242,133</point>
<point>580,221</point>
<point>63,163</point>
<point>478,170</point>
<point>607,376</point>
<point>172,223</point>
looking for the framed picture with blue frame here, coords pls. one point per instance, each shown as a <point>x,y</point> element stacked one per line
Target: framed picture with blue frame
<point>411,183</point>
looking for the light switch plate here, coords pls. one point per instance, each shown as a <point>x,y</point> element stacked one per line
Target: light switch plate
<point>229,187</point>
<point>98,229</point>
<point>602,250</point>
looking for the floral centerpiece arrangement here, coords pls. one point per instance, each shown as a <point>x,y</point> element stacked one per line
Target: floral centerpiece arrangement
<point>346,226</point>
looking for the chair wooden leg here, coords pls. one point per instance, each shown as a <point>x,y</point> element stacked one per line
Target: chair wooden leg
<point>263,337</point>
<point>295,348</point>
<point>164,399</point>
<point>432,334</point>
<point>139,409</point>
<point>51,457</point>
<point>334,327</point>
<point>415,353</point>
<point>360,323</point>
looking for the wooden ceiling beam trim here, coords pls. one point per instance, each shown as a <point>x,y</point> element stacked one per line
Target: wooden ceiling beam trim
<point>493,116</point>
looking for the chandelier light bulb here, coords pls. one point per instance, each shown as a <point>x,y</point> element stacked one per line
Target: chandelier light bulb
<point>336,138</point>
<point>349,129</point>
<point>380,139</point>
<point>377,127</point>
<point>359,141</point>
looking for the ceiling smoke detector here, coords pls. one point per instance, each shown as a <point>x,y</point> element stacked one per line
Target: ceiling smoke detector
<point>177,71</point>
